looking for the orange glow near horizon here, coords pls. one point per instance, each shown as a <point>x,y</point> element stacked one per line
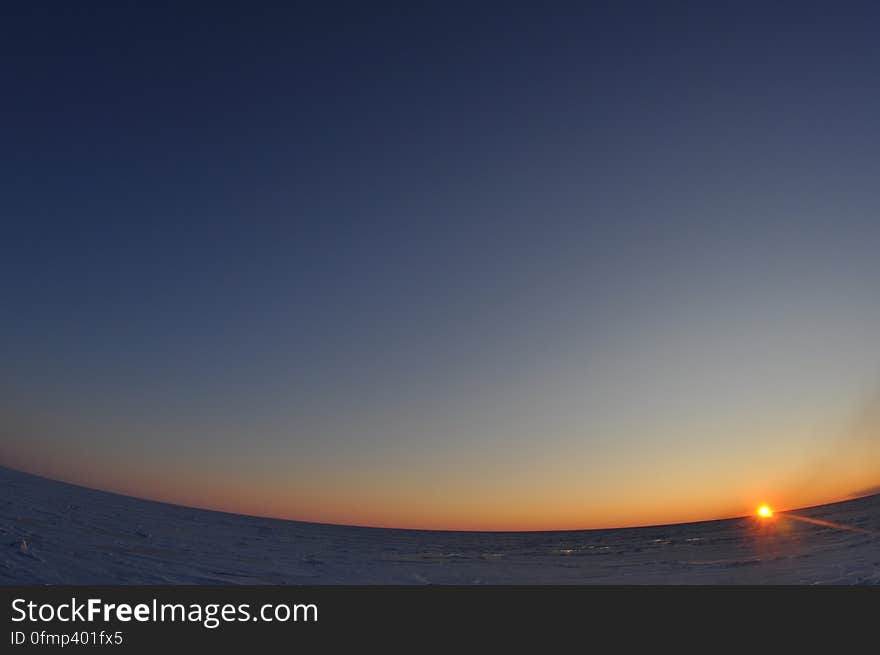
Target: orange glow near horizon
<point>458,509</point>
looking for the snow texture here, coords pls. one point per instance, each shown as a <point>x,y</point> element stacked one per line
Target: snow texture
<point>56,533</point>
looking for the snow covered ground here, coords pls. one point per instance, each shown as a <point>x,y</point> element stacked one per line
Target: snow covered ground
<point>57,533</point>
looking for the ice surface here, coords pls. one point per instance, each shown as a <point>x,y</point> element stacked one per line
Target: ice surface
<point>58,533</point>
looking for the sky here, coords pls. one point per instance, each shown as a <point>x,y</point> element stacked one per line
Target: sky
<point>443,267</point>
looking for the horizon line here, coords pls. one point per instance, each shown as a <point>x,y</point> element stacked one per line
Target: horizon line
<point>385,527</point>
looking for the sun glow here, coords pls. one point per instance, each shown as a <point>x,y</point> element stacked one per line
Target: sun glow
<point>765,512</point>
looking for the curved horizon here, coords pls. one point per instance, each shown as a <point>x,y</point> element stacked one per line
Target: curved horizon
<point>865,493</point>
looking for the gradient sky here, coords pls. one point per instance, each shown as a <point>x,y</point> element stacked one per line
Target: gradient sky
<point>447,267</point>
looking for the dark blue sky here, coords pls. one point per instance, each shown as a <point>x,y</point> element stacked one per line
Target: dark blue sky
<point>393,251</point>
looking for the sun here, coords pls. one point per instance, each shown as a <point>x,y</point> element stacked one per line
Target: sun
<point>765,512</point>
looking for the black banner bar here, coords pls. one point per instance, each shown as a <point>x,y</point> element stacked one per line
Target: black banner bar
<point>152,618</point>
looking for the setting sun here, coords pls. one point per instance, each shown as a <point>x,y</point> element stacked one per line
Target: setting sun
<point>765,512</point>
